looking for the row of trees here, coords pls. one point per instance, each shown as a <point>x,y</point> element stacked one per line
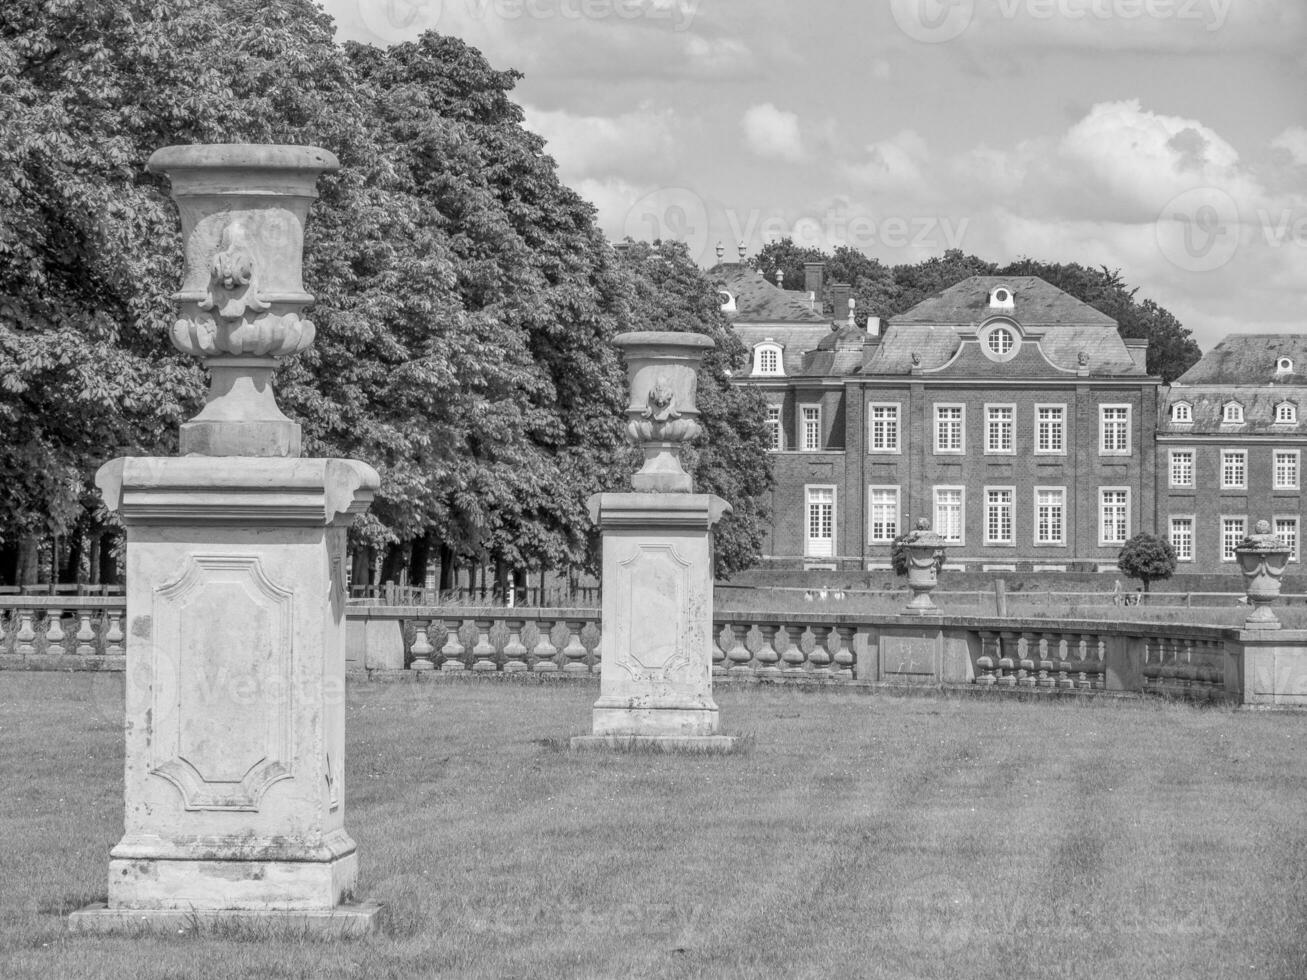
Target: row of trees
<point>886,291</point>
<point>466,300</point>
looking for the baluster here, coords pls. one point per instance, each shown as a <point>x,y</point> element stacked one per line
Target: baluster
<point>1058,665</point>
<point>987,664</point>
<point>514,649</point>
<point>85,635</point>
<point>768,654</point>
<point>54,631</point>
<point>792,656</point>
<point>719,648</point>
<point>820,658</point>
<point>544,651</point>
<point>1075,656</point>
<point>483,653</point>
<point>844,655</point>
<point>739,654</point>
<point>1039,656</point>
<point>26,636</point>
<point>113,634</point>
<point>422,648</point>
<point>574,651</point>
<point>453,649</point>
<point>595,652</point>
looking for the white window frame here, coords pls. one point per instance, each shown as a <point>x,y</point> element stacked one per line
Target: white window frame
<point>871,520</point>
<point>1232,413</point>
<point>1279,519</point>
<point>768,348</point>
<point>1128,422</point>
<point>1040,425</point>
<point>1182,412</point>
<point>807,518</point>
<point>1060,541</point>
<point>775,428</point>
<point>1242,456</point>
<point>804,409</point>
<point>1290,412</point>
<point>1192,521</point>
<point>1011,410</point>
<point>1103,540</point>
<point>961,539</point>
<point>1296,456</point>
<point>1243,533</point>
<point>897,447</point>
<point>961,423</point>
<point>1170,466</point>
<point>1011,540</point>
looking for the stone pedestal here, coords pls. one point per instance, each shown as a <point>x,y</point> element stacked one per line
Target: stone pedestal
<point>1270,667</point>
<point>235,731</point>
<point>656,648</point>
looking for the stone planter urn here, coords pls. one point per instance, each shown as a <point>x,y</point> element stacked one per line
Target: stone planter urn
<point>243,209</point>
<point>925,553</point>
<point>663,367</point>
<point>1262,557</point>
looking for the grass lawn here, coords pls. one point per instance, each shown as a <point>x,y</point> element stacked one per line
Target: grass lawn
<point>856,836</point>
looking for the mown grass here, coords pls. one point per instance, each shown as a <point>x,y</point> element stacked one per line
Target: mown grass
<point>858,836</point>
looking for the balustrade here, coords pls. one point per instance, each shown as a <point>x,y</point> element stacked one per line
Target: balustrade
<point>37,631</point>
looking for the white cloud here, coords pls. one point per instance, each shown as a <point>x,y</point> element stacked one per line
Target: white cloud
<point>590,146</point>
<point>894,164</point>
<point>772,132</point>
<point>1294,142</point>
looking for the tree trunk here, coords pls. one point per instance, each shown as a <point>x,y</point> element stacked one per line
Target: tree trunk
<point>8,564</point>
<point>446,567</point>
<point>109,560</point>
<point>72,567</point>
<point>358,569</point>
<point>418,559</point>
<point>396,560</point>
<point>29,550</point>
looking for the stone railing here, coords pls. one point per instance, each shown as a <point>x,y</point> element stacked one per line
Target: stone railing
<point>63,633</point>
<point>1201,663</point>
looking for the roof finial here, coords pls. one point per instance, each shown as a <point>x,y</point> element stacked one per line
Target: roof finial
<point>721,251</point>
<point>742,248</point>
<point>852,303</point>
<point>780,278</point>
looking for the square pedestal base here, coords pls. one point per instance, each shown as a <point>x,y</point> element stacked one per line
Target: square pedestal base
<point>342,922</point>
<point>659,743</point>
<point>162,883</point>
<point>674,722</point>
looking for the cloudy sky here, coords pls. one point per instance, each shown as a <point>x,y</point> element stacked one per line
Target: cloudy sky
<point>1167,138</point>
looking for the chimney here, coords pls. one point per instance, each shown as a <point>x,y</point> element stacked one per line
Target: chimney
<point>873,326</point>
<point>839,301</point>
<point>813,273</point>
<point>1138,348</point>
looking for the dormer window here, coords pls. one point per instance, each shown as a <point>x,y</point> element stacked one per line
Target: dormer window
<point>1286,413</point>
<point>1000,298</point>
<point>1284,366</point>
<point>1232,412</point>
<point>1182,412</point>
<point>1000,341</point>
<point>767,360</point>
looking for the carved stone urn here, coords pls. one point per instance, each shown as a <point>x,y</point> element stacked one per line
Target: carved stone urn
<point>664,378</point>
<point>1263,557</point>
<point>925,553</point>
<point>243,209</point>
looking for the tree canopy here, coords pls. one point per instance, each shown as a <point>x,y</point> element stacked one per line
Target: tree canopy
<point>1147,558</point>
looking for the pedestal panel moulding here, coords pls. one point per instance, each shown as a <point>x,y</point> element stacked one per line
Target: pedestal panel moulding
<point>648,649</point>
<point>223,718</point>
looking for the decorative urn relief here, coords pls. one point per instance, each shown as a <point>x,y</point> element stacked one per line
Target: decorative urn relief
<point>663,367</point>
<point>1263,557</point>
<point>243,209</point>
<point>925,553</point>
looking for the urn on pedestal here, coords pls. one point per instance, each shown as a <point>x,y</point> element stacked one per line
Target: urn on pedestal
<point>1262,557</point>
<point>924,551</point>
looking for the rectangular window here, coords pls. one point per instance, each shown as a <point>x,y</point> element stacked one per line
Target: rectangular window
<point>1287,529</point>
<point>1050,515</point>
<point>1286,469</point>
<point>884,514</point>
<point>1234,469</point>
<point>1182,467</point>
<point>1050,429</point>
<point>1113,515</point>
<point>998,429</point>
<point>1114,430</point>
<point>949,513</point>
<point>810,434</point>
<point>1182,538</point>
<point>775,434</point>
<point>884,423</point>
<point>998,515</point>
<point>1233,530</point>
<point>820,522</point>
<point>949,436</point>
